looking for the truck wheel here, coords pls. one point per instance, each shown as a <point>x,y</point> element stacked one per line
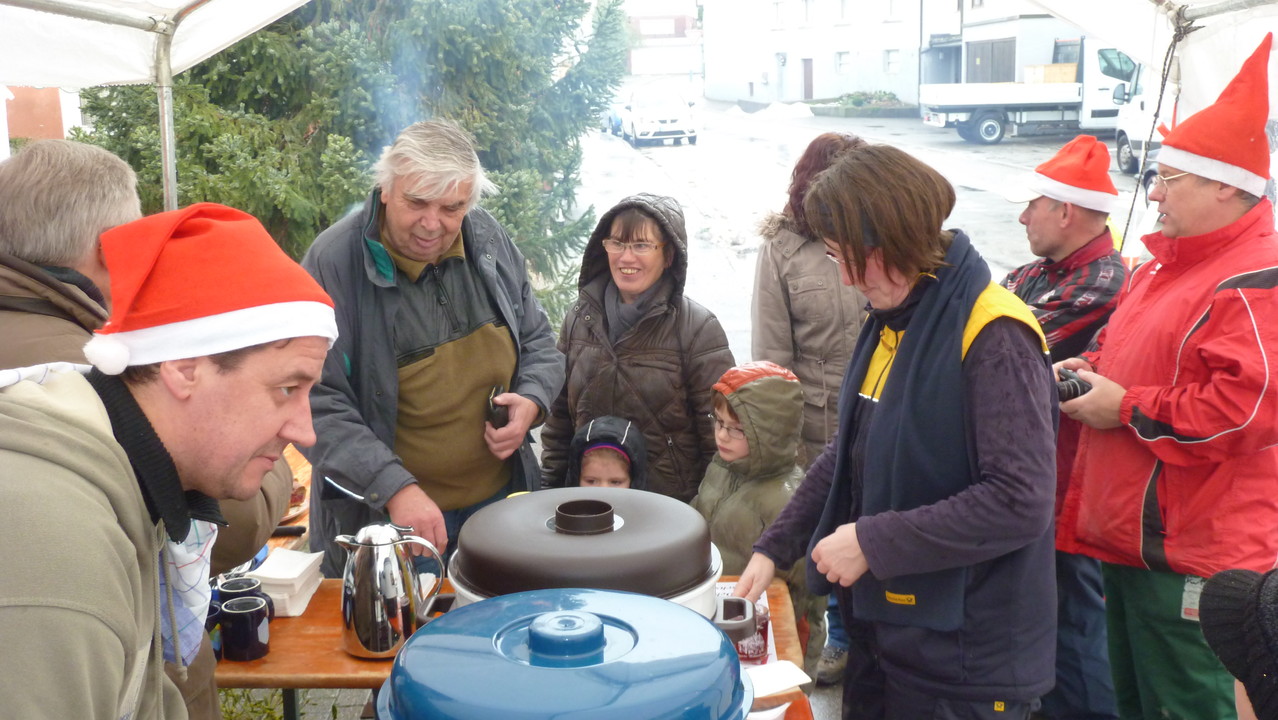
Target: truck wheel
<point>989,127</point>
<point>966,132</point>
<point>1125,156</point>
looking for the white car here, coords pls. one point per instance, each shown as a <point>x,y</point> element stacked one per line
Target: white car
<point>652,115</point>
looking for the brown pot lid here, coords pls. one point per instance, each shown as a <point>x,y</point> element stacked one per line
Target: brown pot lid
<point>648,543</point>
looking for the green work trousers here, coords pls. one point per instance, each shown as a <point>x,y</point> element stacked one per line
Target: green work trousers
<point>1163,668</point>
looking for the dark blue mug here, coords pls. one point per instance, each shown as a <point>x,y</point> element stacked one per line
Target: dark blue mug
<point>231,588</point>
<point>213,626</point>
<point>246,628</point>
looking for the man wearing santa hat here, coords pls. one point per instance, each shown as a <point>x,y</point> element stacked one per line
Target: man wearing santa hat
<point>1176,475</point>
<point>110,480</point>
<point>1072,290</point>
<point>59,196</point>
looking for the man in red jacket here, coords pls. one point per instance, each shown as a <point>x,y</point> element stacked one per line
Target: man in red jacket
<point>1177,468</point>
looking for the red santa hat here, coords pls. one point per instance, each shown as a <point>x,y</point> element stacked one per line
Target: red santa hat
<point>199,281</point>
<point>1226,140</point>
<point>1077,174</point>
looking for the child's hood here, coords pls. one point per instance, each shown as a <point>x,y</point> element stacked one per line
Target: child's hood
<point>615,431</point>
<point>768,401</point>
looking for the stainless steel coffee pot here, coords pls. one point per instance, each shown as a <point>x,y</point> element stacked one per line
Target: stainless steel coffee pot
<point>381,592</point>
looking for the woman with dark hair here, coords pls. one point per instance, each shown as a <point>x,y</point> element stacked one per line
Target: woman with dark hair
<point>804,319</point>
<point>636,347</point>
<point>936,527</point>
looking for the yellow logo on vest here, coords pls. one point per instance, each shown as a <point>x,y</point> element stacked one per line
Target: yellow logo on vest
<point>899,599</point>
<point>999,706</point>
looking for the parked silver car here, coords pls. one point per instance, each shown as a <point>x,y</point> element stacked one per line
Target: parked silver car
<point>654,114</point>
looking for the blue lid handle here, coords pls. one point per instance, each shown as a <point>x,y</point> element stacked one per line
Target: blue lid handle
<point>555,638</point>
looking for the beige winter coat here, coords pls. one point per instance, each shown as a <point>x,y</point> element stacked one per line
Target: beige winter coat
<point>805,319</point>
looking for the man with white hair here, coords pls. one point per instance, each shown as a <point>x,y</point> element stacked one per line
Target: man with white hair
<point>437,316</point>
<point>110,481</point>
<point>1176,476</point>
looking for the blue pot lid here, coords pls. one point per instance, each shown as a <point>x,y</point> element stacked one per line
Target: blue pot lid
<point>567,654</point>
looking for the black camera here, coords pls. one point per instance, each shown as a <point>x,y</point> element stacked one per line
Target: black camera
<point>498,415</point>
<point>1070,385</point>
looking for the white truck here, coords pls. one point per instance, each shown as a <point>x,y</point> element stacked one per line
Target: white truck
<point>983,113</point>
<point>1137,102</point>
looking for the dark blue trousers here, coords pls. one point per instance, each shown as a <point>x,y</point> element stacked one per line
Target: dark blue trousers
<point>1084,686</point>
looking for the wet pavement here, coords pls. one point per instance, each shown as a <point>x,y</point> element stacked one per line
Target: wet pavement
<point>739,171</point>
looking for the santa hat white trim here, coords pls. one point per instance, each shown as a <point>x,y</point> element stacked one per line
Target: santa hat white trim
<point>210,335</point>
<point>1039,185</point>
<point>1212,169</point>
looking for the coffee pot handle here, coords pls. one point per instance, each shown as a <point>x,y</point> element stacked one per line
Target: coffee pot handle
<point>439,560</point>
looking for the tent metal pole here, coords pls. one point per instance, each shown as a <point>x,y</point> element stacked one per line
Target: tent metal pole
<point>164,94</point>
<point>1198,13</point>
<point>149,24</point>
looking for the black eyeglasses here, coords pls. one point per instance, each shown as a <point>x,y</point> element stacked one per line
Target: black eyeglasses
<point>639,247</point>
<point>735,433</point>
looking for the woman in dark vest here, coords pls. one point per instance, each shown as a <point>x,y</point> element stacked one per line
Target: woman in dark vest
<point>936,526</point>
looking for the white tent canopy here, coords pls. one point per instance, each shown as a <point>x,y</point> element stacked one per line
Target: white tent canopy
<point>77,44</point>
<point>1206,59</point>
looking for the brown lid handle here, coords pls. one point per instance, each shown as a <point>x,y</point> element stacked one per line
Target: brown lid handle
<point>583,517</point>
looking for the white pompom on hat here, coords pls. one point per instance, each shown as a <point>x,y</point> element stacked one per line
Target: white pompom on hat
<point>1077,174</point>
<point>1226,140</point>
<point>199,281</point>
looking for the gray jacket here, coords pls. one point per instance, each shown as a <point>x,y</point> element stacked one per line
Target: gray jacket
<point>355,404</point>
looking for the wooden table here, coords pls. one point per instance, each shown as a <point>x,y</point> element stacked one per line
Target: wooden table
<point>306,652</point>
<point>301,473</point>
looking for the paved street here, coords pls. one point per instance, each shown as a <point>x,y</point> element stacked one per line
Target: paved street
<point>740,168</point>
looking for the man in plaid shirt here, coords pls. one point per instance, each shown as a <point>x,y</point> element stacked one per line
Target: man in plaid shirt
<point>1072,289</point>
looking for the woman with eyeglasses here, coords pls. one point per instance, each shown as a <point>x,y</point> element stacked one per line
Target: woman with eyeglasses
<point>936,525</point>
<point>636,347</point>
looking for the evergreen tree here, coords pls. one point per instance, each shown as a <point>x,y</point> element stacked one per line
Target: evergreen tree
<point>286,123</point>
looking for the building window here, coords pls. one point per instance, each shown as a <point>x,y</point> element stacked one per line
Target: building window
<point>807,11</point>
<point>978,3</point>
<point>657,27</point>
<point>843,62</point>
<point>778,12</point>
<point>891,62</point>
<point>843,9</point>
